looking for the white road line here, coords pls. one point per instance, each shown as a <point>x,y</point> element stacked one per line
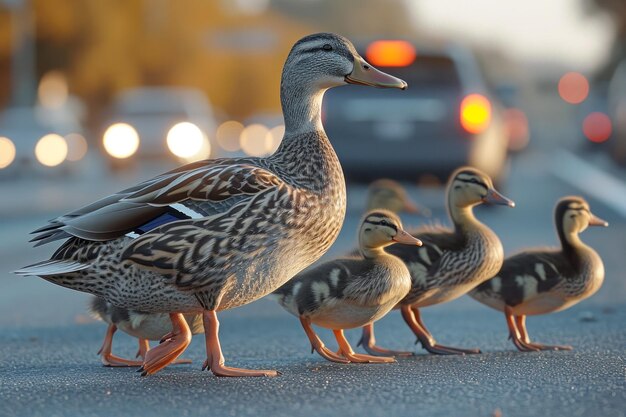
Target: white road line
<point>591,180</point>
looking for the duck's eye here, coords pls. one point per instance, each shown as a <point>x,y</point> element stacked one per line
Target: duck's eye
<point>327,47</point>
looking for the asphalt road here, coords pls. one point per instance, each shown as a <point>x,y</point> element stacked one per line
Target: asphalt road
<point>49,366</point>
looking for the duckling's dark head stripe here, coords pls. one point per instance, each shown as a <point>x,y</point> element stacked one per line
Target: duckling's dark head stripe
<point>469,177</point>
<point>569,203</point>
<point>382,218</point>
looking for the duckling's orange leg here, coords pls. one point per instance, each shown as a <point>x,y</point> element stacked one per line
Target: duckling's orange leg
<point>348,353</point>
<point>516,335</point>
<point>317,344</point>
<point>167,352</point>
<point>413,319</point>
<point>109,359</point>
<point>215,359</point>
<point>144,347</point>
<point>368,341</point>
<point>520,322</point>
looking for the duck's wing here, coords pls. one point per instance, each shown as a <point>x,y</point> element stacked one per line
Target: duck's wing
<point>310,290</point>
<point>527,274</point>
<point>195,190</point>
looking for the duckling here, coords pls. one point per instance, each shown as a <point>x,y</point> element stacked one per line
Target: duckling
<point>541,281</point>
<point>389,194</point>
<point>350,292</point>
<point>217,234</point>
<point>141,325</point>
<point>451,262</point>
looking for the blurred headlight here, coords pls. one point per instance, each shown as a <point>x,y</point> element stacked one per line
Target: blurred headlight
<point>51,150</point>
<point>121,140</point>
<point>7,152</point>
<point>228,134</point>
<point>475,113</point>
<point>255,140</point>
<point>185,140</point>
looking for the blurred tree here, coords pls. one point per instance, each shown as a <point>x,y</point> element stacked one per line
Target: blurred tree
<point>231,49</point>
<point>616,11</point>
<point>107,46</point>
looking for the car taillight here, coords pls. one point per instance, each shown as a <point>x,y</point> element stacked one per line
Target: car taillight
<point>390,53</point>
<point>597,127</point>
<point>475,113</point>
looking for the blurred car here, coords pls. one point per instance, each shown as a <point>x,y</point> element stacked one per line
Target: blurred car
<point>158,123</point>
<point>446,118</point>
<point>36,140</point>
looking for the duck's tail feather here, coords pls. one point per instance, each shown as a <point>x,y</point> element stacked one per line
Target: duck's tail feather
<point>52,267</point>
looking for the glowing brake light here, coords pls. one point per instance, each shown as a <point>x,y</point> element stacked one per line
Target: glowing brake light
<point>475,113</point>
<point>597,127</point>
<point>390,53</point>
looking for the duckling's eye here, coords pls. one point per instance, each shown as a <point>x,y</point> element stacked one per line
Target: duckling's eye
<point>327,47</point>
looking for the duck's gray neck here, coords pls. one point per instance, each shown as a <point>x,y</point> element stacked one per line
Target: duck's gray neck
<point>305,154</point>
<point>302,108</point>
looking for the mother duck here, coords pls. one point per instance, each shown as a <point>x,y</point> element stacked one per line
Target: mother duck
<point>218,234</point>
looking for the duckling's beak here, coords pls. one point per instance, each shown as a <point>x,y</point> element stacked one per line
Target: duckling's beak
<point>596,221</point>
<point>494,197</point>
<point>406,239</point>
<point>365,74</point>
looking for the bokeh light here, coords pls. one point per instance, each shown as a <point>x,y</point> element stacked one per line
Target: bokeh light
<point>597,127</point>
<point>228,134</point>
<point>390,53</point>
<point>255,140</point>
<point>573,87</point>
<point>475,113</point>
<point>121,140</point>
<point>53,90</point>
<point>185,139</point>
<point>51,150</point>
<point>7,152</point>
<point>275,137</point>
<point>77,146</point>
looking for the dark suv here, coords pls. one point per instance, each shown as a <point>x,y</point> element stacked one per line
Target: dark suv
<point>446,118</point>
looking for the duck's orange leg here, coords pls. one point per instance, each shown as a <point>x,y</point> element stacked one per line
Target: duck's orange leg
<point>348,353</point>
<point>515,334</point>
<point>215,359</point>
<point>317,344</point>
<point>413,319</point>
<point>167,352</point>
<point>520,322</point>
<point>368,341</point>
<point>109,359</point>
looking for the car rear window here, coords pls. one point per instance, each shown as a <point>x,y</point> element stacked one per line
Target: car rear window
<point>428,71</point>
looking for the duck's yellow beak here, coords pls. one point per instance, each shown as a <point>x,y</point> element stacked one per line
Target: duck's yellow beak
<point>494,197</point>
<point>406,239</point>
<point>365,74</point>
<point>596,221</point>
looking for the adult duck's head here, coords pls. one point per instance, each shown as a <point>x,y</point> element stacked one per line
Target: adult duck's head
<point>316,63</point>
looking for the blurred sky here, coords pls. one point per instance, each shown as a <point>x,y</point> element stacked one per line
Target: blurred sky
<point>537,30</point>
